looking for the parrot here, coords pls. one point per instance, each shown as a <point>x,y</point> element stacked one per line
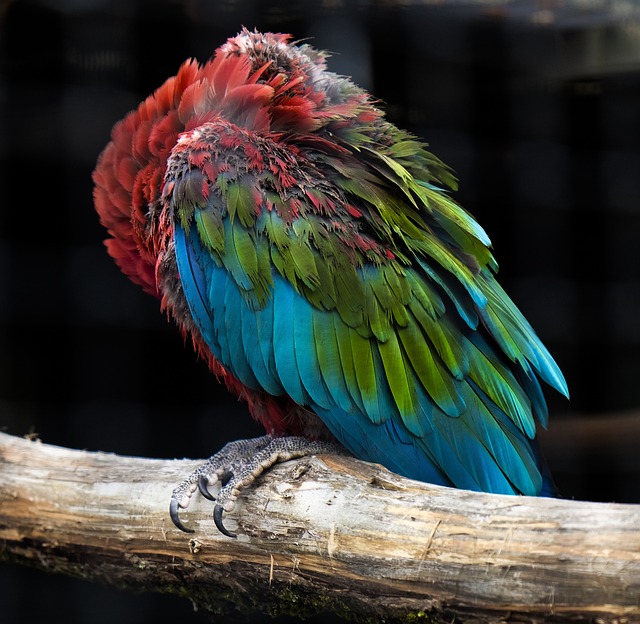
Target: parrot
<point>313,254</point>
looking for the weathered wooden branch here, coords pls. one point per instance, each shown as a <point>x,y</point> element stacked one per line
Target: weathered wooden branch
<point>322,534</point>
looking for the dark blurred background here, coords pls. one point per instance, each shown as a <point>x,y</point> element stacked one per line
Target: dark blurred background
<point>535,104</point>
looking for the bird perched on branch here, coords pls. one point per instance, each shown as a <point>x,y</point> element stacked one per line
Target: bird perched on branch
<point>312,253</point>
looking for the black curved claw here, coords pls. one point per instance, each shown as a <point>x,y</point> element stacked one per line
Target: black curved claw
<point>203,486</point>
<point>217,518</point>
<point>175,517</point>
<point>225,477</point>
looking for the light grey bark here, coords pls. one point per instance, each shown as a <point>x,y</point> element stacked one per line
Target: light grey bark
<point>322,533</point>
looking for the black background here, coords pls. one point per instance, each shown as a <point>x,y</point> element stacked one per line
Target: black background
<point>538,111</point>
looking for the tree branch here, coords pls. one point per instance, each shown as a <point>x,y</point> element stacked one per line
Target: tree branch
<point>321,534</point>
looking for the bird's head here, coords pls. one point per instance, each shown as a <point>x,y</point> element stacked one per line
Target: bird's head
<point>260,83</point>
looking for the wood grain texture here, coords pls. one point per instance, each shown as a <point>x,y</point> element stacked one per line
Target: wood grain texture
<point>322,534</point>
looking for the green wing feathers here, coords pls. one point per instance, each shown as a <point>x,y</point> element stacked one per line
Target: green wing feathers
<point>398,321</point>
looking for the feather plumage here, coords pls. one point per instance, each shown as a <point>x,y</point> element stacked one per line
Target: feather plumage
<point>309,248</point>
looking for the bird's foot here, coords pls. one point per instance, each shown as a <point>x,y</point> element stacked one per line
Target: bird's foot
<point>236,467</point>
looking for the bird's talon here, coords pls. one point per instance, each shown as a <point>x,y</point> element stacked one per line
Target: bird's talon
<point>225,477</point>
<point>236,467</point>
<point>203,486</point>
<point>217,518</point>
<point>174,507</point>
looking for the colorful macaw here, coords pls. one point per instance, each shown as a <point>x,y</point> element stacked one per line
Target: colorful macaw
<point>311,252</point>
